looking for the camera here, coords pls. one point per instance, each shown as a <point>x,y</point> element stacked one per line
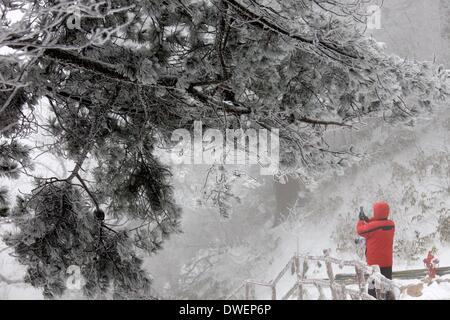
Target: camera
<point>362,215</point>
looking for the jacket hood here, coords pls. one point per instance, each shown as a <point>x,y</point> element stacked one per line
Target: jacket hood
<point>380,210</point>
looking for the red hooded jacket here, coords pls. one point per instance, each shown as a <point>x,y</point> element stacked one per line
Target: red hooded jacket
<point>379,234</point>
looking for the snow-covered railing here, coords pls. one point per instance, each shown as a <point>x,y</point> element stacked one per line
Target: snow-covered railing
<point>298,266</point>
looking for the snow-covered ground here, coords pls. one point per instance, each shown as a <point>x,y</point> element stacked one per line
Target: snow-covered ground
<point>436,290</point>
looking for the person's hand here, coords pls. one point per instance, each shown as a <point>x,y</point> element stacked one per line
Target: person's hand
<point>362,216</point>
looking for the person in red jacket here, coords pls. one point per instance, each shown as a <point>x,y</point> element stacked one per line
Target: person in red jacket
<point>379,234</point>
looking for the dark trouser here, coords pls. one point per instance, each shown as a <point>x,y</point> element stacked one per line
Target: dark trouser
<point>385,271</point>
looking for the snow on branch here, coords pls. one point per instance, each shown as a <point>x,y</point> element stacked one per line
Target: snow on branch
<point>339,291</point>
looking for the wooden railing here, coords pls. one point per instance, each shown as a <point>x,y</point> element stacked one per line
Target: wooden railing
<point>298,266</point>
<point>403,274</point>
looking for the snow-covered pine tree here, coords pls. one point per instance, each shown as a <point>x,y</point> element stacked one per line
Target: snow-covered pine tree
<point>64,232</point>
<point>159,65</point>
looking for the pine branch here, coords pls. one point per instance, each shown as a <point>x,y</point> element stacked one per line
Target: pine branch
<point>3,195</point>
<point>264,23</point>
<point>86,63</point>
<point>230,108</point>
<point>323,122</point>
<point>64,94</point>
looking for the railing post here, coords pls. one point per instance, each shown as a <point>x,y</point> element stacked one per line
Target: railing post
<point>274,292</point>
<point>320,289</point>
<point>296,262</point>
<point>342,292</point>
<point>378,292</point>
<point>247,291</point>
<point>330,274</point>
<point>301,272</point>
<point>360,279</point>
